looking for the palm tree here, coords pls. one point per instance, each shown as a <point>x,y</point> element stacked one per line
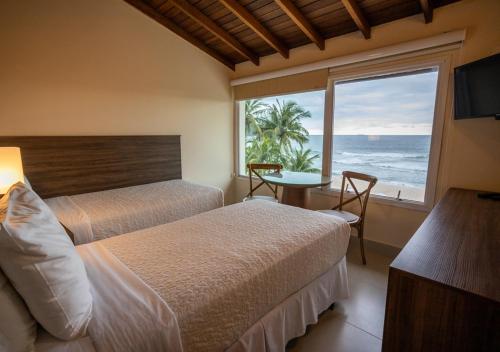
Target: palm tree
<point>283,122</point>
<point>302,161</point>
<point>264,150</point>
<point>253,110</point>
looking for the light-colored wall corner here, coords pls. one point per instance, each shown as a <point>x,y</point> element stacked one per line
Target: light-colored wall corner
<point>470,156</point>
<point>97,67</point>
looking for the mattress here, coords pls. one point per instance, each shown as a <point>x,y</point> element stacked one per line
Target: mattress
<point>223,270</point>
<point>98,215</point>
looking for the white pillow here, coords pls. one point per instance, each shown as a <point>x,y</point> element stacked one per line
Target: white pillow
<point>17,326</point>
<point>27,183</point>
<point>43,265</point>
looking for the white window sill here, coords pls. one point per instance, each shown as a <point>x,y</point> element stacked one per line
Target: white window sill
<point>378,199</point>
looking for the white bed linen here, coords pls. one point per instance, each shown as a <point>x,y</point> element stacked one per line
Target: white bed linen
<point>73,217</point>
<point>98,215</point>
<point>222,279</point>
<point>222,270</point>
<point>42,264</point>
<point>149,325</point>
<point>128,315</point>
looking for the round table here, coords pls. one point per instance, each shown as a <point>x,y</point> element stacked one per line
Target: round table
<point>295,185</point>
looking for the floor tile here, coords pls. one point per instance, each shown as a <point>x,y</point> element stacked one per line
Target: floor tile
<point>333,333</point>
<point>356,323</point>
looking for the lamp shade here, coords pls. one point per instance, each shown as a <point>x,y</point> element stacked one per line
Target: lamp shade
<point>11,168</point>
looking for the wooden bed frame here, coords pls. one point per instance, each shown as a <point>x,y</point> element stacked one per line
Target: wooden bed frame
<point>63,165</point>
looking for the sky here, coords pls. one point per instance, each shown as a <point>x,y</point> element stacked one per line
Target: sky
<point>388,106</point>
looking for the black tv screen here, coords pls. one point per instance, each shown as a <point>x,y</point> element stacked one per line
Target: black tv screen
<point>477,88</point>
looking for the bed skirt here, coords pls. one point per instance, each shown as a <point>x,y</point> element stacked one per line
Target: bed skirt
<point>291,317</point>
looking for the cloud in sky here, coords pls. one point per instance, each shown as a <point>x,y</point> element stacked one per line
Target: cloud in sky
<point>390,105</point>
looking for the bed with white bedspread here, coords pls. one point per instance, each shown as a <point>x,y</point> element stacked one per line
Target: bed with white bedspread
<point>246,277</point>
<point>98,215</point>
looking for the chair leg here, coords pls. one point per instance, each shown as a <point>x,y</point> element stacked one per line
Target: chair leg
<point>362,244</point>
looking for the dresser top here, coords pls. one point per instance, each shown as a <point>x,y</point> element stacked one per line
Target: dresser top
<point>458,245</point>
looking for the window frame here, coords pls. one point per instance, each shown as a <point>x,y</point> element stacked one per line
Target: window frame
<point>386,67</point>
<point>380,67</point>
<point>240,130</point>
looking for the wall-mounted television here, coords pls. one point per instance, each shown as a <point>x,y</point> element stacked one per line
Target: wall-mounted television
<point>477,89</point>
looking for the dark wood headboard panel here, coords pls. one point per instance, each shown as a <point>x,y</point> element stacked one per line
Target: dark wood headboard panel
<point>64,165</point>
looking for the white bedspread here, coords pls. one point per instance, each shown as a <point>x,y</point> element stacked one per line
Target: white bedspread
<point>98,215</point>
<point>150,326</point>
<point>222,271</point>
<point>128,315</point>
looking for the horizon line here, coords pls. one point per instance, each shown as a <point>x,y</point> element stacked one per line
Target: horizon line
<point>372,135</point>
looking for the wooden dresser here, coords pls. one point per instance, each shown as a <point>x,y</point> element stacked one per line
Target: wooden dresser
<point>444,286</point>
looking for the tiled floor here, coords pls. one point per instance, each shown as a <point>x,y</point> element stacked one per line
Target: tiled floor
<point>356,324</point>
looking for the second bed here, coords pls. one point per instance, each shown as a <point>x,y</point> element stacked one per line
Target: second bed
<point>98,215</point>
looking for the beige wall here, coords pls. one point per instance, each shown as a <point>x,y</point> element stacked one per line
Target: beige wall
<point>86,67</point>
<point>470,155</point>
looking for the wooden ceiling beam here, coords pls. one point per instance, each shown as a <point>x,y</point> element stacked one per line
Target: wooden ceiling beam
<point>358,17</point>
<point>211,26</point>
<point>302,22</point>
<point>427,9</point>
<point>168,23</point>
<point>246,17</point>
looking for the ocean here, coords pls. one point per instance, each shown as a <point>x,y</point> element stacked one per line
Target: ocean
<point>398,160</point>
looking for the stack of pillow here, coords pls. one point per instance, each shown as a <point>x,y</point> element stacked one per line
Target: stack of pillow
<point>42,277</point>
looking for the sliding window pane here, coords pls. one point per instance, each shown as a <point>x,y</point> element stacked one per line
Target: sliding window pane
<point>382,127</point>
<point>286,129</point>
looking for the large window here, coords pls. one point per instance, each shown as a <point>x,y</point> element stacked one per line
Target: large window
<point>286,129</point>
<point>382,119</point>
<point>382,126</point>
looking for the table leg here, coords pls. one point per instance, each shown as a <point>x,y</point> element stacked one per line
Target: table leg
<point>294,196</point>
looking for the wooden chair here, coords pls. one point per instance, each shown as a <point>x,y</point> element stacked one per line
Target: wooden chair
<point>356,221</point>
<point>253,169</point>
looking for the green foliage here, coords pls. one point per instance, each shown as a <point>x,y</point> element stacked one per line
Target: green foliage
<point>264,150</point>
<point>271,131</point>
<point>253,110</point>
<point>282,122</point>
<point>303,161</point>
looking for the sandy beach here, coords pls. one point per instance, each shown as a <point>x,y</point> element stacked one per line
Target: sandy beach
<point>388,190</point>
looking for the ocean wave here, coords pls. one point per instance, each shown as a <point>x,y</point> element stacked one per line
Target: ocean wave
<point>402,166</point>
<point>396,166</point>
<point>396,160</point>
<point>353,161</point>
<point>385,155</point>
<point>416,182</point>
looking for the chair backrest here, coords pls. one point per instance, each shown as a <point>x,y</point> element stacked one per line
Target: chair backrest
<point>253,169</point>
<point>362,196</point>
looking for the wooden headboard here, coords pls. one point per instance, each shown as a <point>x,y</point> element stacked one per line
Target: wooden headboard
<point>64,165</point>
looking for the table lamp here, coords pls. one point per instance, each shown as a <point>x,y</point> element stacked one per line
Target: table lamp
<point>11,168</point>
